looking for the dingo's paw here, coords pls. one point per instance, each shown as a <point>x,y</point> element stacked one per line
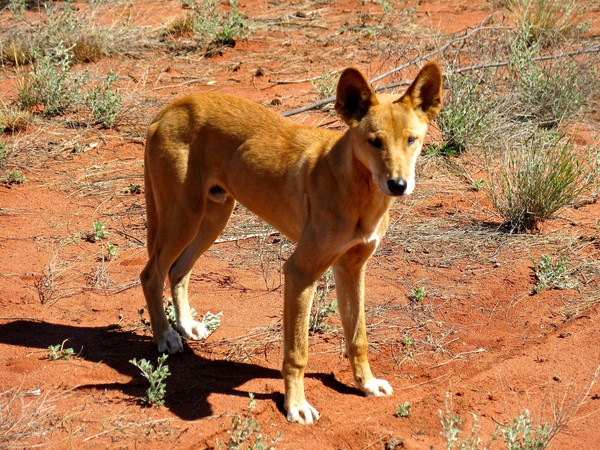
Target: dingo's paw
<point>304,414</point>
<point>193,330</point>
<point>376,388</point>
<point>170,343</point>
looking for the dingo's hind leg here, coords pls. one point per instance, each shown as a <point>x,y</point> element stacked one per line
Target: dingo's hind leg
<point>176,228</point>
<point>214,220</point>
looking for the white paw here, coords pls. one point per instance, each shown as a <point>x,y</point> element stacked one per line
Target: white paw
<point>376,388</point>
<point>170,343</point>
<point>193,330</point>
<point>304,414</point>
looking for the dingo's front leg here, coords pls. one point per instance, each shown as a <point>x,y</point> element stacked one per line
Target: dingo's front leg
<point>349,273</point>
<point>299,288</point>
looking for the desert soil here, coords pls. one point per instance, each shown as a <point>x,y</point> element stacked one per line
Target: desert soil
<point>480,342</point>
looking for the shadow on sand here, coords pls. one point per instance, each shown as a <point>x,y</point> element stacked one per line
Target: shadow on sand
<point>193,378</point>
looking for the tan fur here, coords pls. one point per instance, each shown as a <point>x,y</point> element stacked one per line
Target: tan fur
<point>327,191</point>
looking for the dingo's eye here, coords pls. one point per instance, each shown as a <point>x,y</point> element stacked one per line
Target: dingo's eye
<point>412,140</point>
<point>376,142</point>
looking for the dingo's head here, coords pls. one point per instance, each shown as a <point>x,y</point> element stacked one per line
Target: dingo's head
<point>387,130</point>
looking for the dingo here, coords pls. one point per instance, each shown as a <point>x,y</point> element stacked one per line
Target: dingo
<point>327,191</point>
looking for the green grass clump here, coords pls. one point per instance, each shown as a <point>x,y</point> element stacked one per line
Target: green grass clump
<point>535,179</point>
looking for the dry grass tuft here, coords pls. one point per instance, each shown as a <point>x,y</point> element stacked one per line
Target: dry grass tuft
<point>546,19</point>
<point>14,119</point>
<point>26,417</point>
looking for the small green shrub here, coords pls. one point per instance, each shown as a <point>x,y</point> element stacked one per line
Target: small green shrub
<point>155,394</point>
<point>50,83</point>
<point>15,176</point>
<point>550,275</point>
<point>523,435</point>
<point>211,321</point>
<point>104,101</point>
<point>59,352</point>
<point>325,84</point>
<point>418,294</point>
<point>454,435</point>
<point>536,178</point>
<point>99,231</point>
<point>245,433</point>
<point>467,116</point>
<point>134,188</point>
<point>403,410</point>
<point>111,251</point>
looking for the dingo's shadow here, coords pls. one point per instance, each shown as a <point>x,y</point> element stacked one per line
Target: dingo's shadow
<point>193,378</point>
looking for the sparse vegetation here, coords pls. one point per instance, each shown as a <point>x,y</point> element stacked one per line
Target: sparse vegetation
<point>521,434</point>
<point>322,307</point>
<point>111,251</point>
<point>514,90</point>
<point>550,275</point>
<point>13,119</point>
<point>467,116</point>
<point>50,83</point>
<point>155,394</point>
<point>546,20</point>
<point>245,432</point>
<point>325,84</point>
<point>547,92</point>
<point>134,188</point>
<point>215,24</point>
<point>211,321</point>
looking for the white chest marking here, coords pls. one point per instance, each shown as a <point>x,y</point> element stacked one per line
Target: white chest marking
<point>374,236</point>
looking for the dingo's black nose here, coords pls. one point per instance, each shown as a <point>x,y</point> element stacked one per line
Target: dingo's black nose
<point>397,186</point>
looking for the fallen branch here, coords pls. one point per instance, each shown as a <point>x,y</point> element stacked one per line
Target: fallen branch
<point>325,101</point>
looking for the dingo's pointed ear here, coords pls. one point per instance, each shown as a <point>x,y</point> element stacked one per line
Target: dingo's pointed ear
<point>425,92</point>
<point>354,96</point>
